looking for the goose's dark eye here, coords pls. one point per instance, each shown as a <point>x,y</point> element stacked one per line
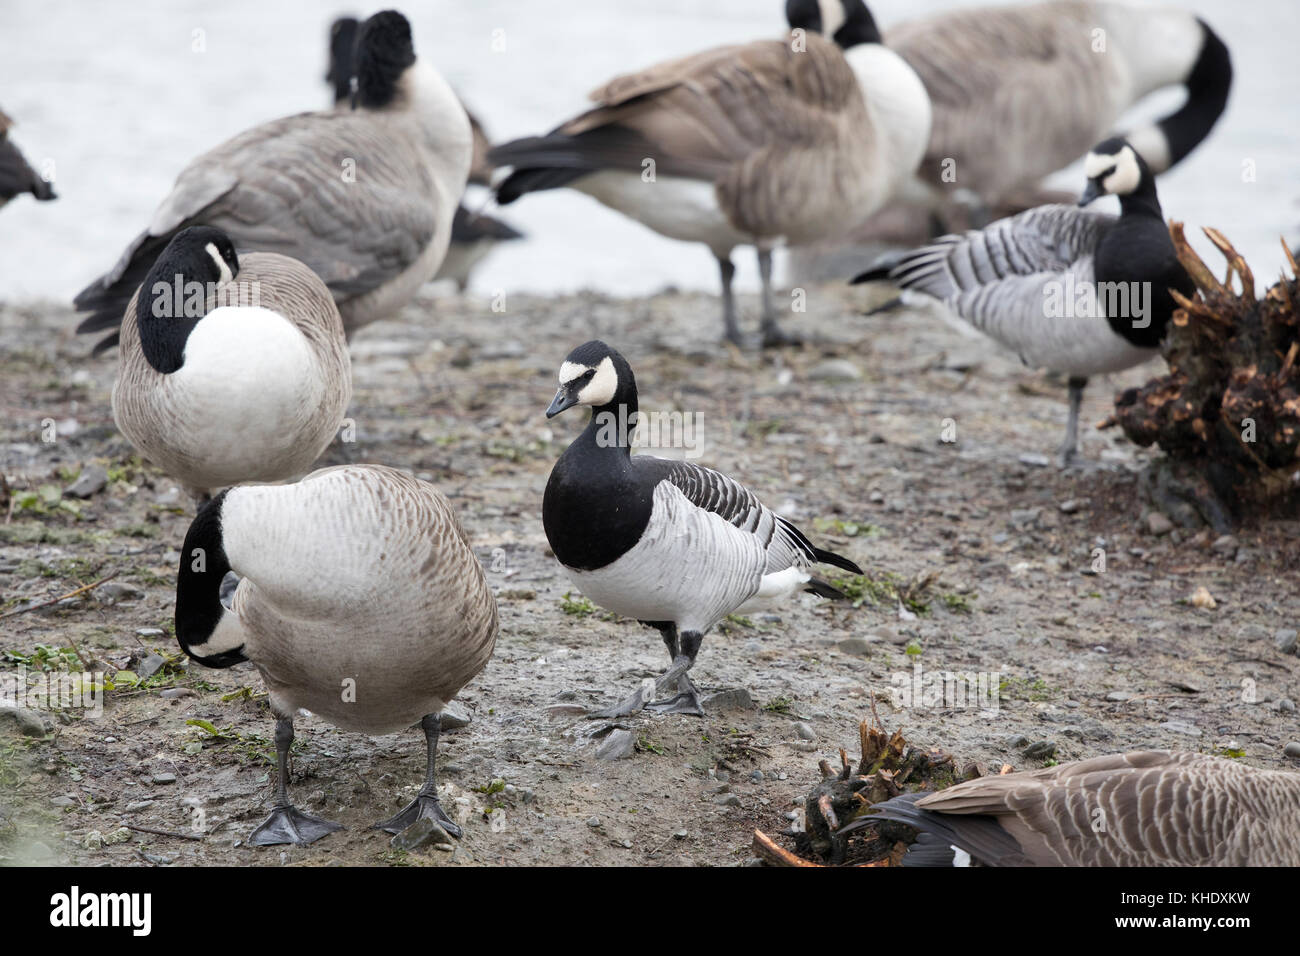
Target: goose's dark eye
<point>1101,176</point>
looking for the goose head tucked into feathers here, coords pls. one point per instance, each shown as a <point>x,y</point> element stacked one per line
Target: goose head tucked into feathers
<point>596,375</point>
<point>175,293</point>
<point>847,22</point>
<point>384,52</point>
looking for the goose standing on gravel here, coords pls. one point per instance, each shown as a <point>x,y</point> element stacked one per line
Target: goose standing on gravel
<point>364,197</point>
<point>231,369</point>
<point>1067,289</point>
<point>1021,91</point>
<point>360,601</point>
<point>1148,808</point>
<point>792,140</point>
<point>472,234</point>
<point>670,543</point>
<point>16,176</point>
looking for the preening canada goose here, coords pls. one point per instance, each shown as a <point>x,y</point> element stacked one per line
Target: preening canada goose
<point>790,140</point>
<point>360,601</point>
<point>472,234</point>
<point>1070,290</point>
<point>670,543</point>
<point>1021,91</point>
<point>16,176</point>
<point>231,369</point>
<point>1148,808</point>
<point>364,197</point>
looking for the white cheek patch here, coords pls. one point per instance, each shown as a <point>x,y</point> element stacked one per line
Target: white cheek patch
<point>832,16</point>
<point>571,370</point>
<point>1094,164</point>
<point>226,274</point>
<point>1127,174</point>
<point>600,390</point>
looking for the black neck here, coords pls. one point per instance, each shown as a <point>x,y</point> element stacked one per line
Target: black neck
<point>203,567</point>
<point>611,426</point>
<point>1207,95</point>
<point>1143,201</point>
<point>172,300</point>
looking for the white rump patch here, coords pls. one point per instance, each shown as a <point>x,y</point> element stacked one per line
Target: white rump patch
<point>600,390</point>
<point>226,274</point>
<point>960,857</point>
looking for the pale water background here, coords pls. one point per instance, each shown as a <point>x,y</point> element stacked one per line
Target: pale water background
<point>114,95</point>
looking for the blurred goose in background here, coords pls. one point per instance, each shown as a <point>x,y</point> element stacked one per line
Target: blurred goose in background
<point>791,140</point>
<point>472,234</point>
<point>359,600</point>
<point>364,197</point>
<point>670,543</point>
<point>1066,289</point>
<point>16,176</point>
<point>231,368</point>
<point>1148,808</point>
<point>1021,91</point>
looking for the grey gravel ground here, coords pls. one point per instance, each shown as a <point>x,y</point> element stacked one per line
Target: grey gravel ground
<point>844,436</point>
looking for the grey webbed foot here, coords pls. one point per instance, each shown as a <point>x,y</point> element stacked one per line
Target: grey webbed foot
<point>288,824</point>
<point>424,806</point>
<point>686,701</point>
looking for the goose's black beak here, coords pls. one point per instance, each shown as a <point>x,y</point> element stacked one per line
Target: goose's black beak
<point>1090,193</point>
<point>562,401</point>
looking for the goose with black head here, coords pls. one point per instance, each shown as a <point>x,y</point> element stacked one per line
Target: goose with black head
<point>231,369</point>
<point>1067,289</point>
<point>672,544</point>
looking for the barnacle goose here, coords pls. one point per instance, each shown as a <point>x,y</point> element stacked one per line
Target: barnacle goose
<point>792,140</point>
<point>360,601</point>
<point>1067,289</point>
<point>1147,808</point>
<point>363,197</point>
<point>16,176</point>
<point>670,543</point>
<point>231,369</point>
<point>1021,91</point>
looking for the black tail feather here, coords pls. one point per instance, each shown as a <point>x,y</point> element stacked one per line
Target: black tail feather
<point>837,560</point>
<point>823,589</point>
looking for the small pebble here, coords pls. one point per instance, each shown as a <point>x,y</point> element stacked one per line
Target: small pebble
<point>1158,524</point>
<point>164,777</point>
<point>1069,506</point>
<point>804,731</point>
<point>1041,750</point>
<point>756,776</point>
<point>1286,639</point>
<point>1017,740</point>
<point>593,822</point>
<point>173,693</point>
<point>1292,749</point>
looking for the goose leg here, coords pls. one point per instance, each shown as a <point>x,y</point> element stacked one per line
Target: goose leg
<point>772,334</point>
<point>425,805</point>
<point>288,824</point>
<point>728,271</point>
<point>686,700</point>
<point>1070,447</point>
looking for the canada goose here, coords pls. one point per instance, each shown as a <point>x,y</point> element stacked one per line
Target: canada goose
<point>788,140</point>
<point>16,176</point>
<point>1022,91</point>
<point>670,543</point>
<point>1148,808</point>
<point>1070,290</point>
<point>472,235</point>
<point>359,600</point>
<point>231,369</point>
<point>364,198</point>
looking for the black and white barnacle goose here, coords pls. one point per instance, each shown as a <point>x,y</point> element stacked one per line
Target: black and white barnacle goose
<point>673,544</point>
<point>1020,91</point>
<point>16,175</point>
<point>1147,808</point>
<point>776,141</point>
<point>360,600</point>
<point>232,368</point>
<point>1074,291</point>
<point>363,197</point>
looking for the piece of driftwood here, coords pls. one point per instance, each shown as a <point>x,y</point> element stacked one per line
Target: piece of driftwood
<point>1227,412</point>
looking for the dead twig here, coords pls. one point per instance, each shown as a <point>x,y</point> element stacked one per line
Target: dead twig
<point>165,833</point>
<point>55,600</point>
<point>766,849</point>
